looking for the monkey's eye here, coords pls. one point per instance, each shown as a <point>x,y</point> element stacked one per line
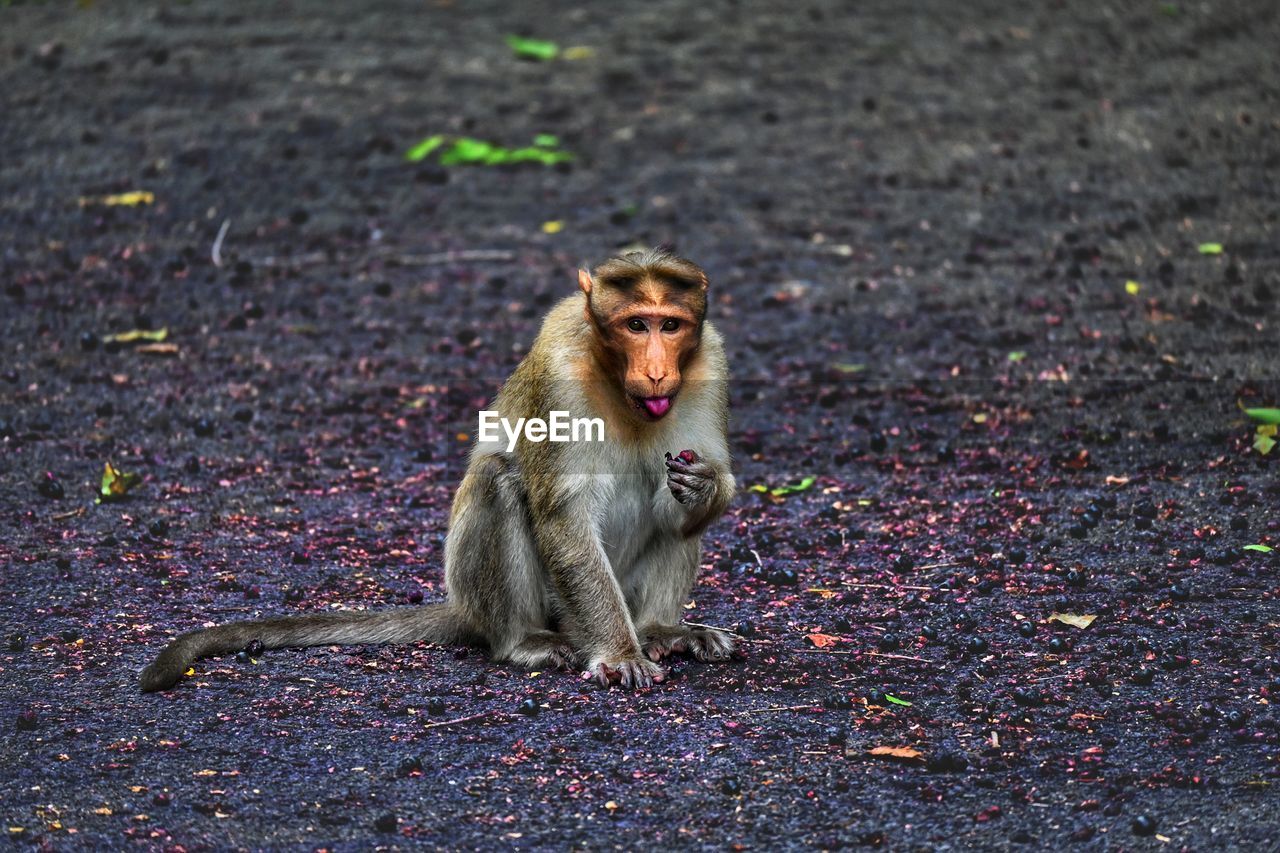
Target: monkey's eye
<point>637,325</point>
<point>670,325</point>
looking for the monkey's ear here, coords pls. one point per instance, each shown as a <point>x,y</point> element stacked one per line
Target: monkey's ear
<point>584,281</point>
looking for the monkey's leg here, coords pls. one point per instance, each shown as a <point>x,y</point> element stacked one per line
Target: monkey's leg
<point>589,594</point>
<point>658,587</point>
<point>493,573</point>
<point>545,649</point>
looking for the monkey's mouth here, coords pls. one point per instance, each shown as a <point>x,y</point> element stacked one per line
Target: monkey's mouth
<point>653,407</point>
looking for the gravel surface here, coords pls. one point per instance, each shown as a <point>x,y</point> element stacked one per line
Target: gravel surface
<point>996,276</point>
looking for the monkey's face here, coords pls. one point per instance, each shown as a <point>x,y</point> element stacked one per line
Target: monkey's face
<point>648,332</point>
<point>655,342</point>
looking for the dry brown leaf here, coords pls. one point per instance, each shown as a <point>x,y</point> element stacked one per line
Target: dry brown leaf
<point>158,349</point>
<point>1072,619</point>
<point>822,641</point>
<point>902,753</point>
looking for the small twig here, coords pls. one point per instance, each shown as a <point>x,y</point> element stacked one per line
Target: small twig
<point>62,516</point>
<point>215,254</point>
<point>938,566</point>
<point>463,719</point>
<point>869,654</point>
<point>780,708</point>
<point>453,257</point>
<point>715,628</point>
<point>889,586</point>
<point>900,657</point>
<point>464,255</point>
<point>756,554</point>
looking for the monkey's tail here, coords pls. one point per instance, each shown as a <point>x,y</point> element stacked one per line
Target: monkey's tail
<point>436,623</point>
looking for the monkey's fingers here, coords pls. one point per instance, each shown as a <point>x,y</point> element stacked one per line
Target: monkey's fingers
<point>683,494</point>
<point>697,469</point>
<point>692,481</point>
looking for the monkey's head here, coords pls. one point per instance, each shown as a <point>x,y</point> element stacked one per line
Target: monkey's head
<point>646,310</point>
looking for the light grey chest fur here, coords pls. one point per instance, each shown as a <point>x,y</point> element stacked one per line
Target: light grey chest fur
<point>628,521</point>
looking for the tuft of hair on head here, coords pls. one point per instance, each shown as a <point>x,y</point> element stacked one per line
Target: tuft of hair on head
<point>627,271</point>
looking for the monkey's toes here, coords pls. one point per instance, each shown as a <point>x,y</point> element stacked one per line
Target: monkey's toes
<point>660,647</point>
<point>628,673</point>
<point>712,646</point>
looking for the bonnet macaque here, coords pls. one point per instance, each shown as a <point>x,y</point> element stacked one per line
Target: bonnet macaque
<point>570,554</point>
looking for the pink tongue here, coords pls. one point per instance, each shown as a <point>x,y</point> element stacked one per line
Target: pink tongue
<point>657,406</point>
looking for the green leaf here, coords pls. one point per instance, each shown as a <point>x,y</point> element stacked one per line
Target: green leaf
<point>1261,549</point>
<point>758,488</point>
<point>115,484</point>
<point>803,486</point>
<point>536,155</point>
<point>133,336</point>
<point>533,48</point>
<point>1017,355</point>
<point>845,367</point>
<point>1263,443</point>
<point>420,151</point>
<point>546,140</point>
<point>466,150</point>
<point>895,700</point>
<point>477,152</point>
<point>1210,248</point>
<point>1266,416</point>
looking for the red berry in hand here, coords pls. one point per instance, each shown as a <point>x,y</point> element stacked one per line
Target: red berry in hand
<point>688,457</point>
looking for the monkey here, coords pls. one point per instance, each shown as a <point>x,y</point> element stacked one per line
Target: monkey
<point>570,555</point>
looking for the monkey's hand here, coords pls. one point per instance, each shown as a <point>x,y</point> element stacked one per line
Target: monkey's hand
<point>692,481</point>
<point>634,672</point>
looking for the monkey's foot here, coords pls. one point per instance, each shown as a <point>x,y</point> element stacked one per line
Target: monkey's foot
<point>545,650</point>
<point>706,644</point>
<point>629,673</point>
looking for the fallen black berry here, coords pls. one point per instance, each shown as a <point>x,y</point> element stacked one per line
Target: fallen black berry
<point>49,487</point>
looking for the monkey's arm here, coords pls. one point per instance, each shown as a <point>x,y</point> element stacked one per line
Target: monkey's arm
<point>702,487</point>
<point>597,613</point>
